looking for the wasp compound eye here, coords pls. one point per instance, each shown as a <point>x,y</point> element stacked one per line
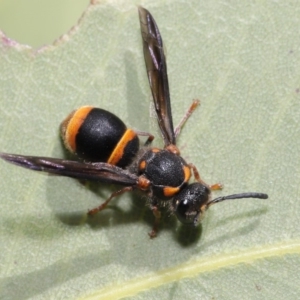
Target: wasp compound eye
<point>190,202</point>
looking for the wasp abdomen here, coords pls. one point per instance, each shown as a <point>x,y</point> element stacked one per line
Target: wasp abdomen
<point>98,135</point>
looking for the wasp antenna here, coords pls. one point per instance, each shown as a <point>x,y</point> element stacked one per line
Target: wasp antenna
<point>15,159</point>
<point>238,196</point>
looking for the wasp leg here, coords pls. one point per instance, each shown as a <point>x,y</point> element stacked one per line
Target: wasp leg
<point>214,187</point>
<point>104,204</point>
<point>157,215</point>
<point>149,135</point>
<point>188,113</point>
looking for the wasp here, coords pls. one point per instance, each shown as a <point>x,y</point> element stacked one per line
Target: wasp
<point>111,153</point>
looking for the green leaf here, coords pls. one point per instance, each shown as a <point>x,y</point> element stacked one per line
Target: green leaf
<point>36,22</point>
<point>243,61</point>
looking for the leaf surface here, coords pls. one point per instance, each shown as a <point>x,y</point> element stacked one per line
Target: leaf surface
<point>242,61</point>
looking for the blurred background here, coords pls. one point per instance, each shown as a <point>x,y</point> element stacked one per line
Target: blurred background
<point>39,22</point>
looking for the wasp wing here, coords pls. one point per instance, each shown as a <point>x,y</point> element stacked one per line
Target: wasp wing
<point>157,74</point>
<point>102,172</point>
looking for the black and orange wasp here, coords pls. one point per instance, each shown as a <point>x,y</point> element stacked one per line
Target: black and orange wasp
<point>110,152</point>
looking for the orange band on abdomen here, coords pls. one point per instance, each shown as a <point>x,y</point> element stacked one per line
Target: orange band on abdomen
<point>74,125</point>
<point>119,149</point>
